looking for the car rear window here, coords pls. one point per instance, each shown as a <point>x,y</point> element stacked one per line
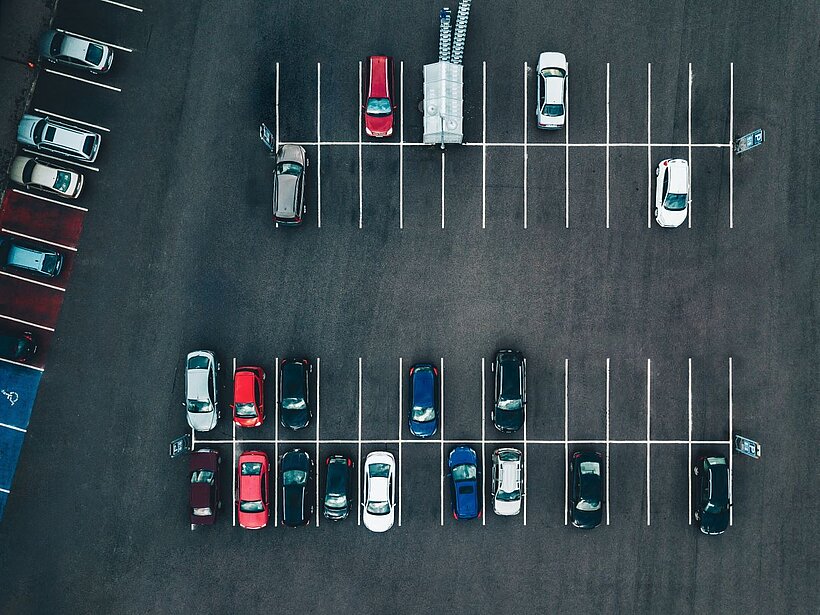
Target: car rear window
<point>50,132</point>
<point>88,145</point>
<point>94,54</point>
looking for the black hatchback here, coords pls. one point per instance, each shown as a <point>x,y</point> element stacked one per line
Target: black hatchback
<point>294,396</point>
<point>297,478</point>
<point>586,489</point>
<point>337,490</point>
<point>712,497</point>
<point>510,390</point>
<point>17,346</point>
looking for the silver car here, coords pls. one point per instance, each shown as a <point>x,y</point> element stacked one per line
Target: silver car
<point>72,50</point>
<point>507,487</point>
<point>289,185</point>
<point>44,175</point>
<point>200,390</point>
<point>552,90</point>
<point>43,133</point>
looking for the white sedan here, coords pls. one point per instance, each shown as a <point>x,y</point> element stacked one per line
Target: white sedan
<point>379,499</point>
<point>552,76</point>
<point>33,173</point>
<point>200,390</point>
<point>672,192</point>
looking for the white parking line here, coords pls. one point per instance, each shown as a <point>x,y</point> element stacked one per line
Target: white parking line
<point>136,9</point>
<point>13,427</point>
<point>234,468</point>
<point>607,431</point>
<point>38,240</point>
<point>401,380</point>
<point>319,145</point>
<point>483,443</point>
<point>401,145</point>
<point>71,119</point>
<point>441,449</point>
<point>731,448</point>
<point>34,367</point>
<point>648,145</point>
<point>442,189</point>
<point>525,157</point>
<point>566,438</point>
<point>75,78</point>
<point>530,144</point>
<point>49,156</point>
<point>648,414</point>
<point>276,143</point>
<point>507,442</point>
<point>731,156</point>
<point>526,458</point>
<point>484,153</point>
<point>26,322</point>
<point>2,490</point>
<point>318,465</point>
<point>359,441</point>
<point>88,38</point>
<point>360,113</point>
<point>276,444</point>
<point>689,150</point>
<point>17,277</point>
<point>566,161</point>
<point>607,180</point>
<point>689,462</point>
<point>42,198</point>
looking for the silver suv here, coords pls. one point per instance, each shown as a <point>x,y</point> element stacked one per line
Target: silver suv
<point>289,185</point>
<point>200,390</point>
<point>43,133</point>
<point>37,260</point>
<point>507,487</point>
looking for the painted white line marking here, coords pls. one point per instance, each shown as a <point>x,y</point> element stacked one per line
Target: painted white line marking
<point>75,78</point>
<point>566,439</point>
<point>42,198</point>
<point>361,196</point>
<point>73,162</point>
<point>607,433</point>
<point>648,414</point>
<point>441,446</point>
<point>136,9</point>
<point>526,458</point>
<point>401,380</point>
<point>34,367</point>
<point>319,145</point>
<point>483,442</point>
<point>731,156</point>
<point>276,444</point>
<point>525,157</point>
<point>18,277</point>
<point>318,465</point>
<point>88,38</point>
<point>4,490</point>
<point>502,144</point>
<point>7,426</point>
<point>276,143</point>
<point>731,448</point>
<point>26,322</point>
<point>387,441</point>
<point>401,145</point>
<point>566,166</point>
<point>649,145</point>
<point>689,462</point>
<point>359,442</point>
<point>607,187</point>
<point>234,468</point>
<point>689,149</point>
<point>39,240</point>
<point>484,151</point>
<point>71,119</point>
<point>442,189</point>
<point>193,439</point>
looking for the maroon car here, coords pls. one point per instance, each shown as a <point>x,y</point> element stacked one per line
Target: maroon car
<point>204,474</point>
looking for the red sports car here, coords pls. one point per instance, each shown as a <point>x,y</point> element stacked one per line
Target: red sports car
<point>252,499</point>
<point>380,102</point>
<point>248,396</point>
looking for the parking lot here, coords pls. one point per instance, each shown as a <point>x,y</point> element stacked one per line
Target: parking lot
<point>652,346</point>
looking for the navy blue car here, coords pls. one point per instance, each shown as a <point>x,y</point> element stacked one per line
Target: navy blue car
<point>464,477</point>
<point>423,419</point>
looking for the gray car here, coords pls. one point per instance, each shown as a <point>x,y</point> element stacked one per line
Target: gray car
<point>42,261</point>
<point>72,50</point>
<point>200,390</point>
<point>45,134</point>
<point>289,185</point>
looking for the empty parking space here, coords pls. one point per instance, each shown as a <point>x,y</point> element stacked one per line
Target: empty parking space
<point>43,220</point>
<point>29,302</point>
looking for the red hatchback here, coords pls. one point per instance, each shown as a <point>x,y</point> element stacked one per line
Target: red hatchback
<point>380,101</point>
<point>248,396</point>
<point>252,500</point>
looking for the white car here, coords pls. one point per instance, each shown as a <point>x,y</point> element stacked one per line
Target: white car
<point>507,487</point>
<point>672,192</point>
<point>200,390</point>
<point>43,133</point>
<point>552,77</point>
<point>42,175</point>
<point>75,51</point>
<point>379,500</point>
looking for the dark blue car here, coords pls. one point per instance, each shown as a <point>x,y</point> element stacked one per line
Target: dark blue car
<point>464,477</point>
<point>423,419</point>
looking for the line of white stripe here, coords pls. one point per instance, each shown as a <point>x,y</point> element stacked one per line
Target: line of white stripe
<point>15,428</point>
<point>75,78</point>
<point>38,239</point>
<point>34,367</point>
<point>71,119</point>
<point>529,144</point>
<point>26,322</point>
<point>18,277</point>
<point>42,198</point>
<point>125,6</point>
<point>561,442</point>
<point>67,160</point>
<point>525,155</point>
<point>319,145</point>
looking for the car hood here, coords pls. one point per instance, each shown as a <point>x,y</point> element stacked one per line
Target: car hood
<point>200,495</point>
<point>509,420</point>
<point>586,519</point>
<point>25,129</point>
<point>714,523</point>
<point>202,421</point>
<point>378,523</point>
<point>671,219</point>
<point>295,419</point>
<point>379,125</point>
<point>505,508</point>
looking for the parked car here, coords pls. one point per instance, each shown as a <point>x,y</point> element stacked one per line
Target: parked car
<point>249,396</point>
<point>464,483</point>
<point>200,390</point>
<point>379,500</point>
<point>43,175</point>
<point>338,490</point>
<point>204,501</point>
<point>379,95</point>
<point>713,497</point>
<point>552,76</point>
<point>75,51</point>
<point>510,391</point>
<point>253,470</point>
<point>423,419</point>
<point>672,192</point>
<point>507,481</point>
<point>42,261</point>
<point>586,489</point>
<point>48,135</point>
<point>297,476</point>
<point>17,346</point>
<point>294,393</point>
<point>289,185</point>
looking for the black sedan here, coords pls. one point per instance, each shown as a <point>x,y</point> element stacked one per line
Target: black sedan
<point>17,346</point>
<point>203,467</point>
<point>586,489</point>
<point>510,390</point>
<point>712,496</point>
<point>297,477</point>
<point>338,488</point>
<point>294,396</point>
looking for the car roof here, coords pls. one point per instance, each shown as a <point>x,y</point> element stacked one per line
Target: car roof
<point>678,176</point>
<point>203,460</point>
<point>198,384</point>
<point>243,386</point>
<point>286,194</point>
<point>379,78</point>
<point>554,90</point>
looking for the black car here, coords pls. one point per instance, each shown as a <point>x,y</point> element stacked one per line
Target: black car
<point>712,496</point>
<point>510,390</point>
<point>338,488</point>
<point>17,346</point>
<point>586,489</point>
<point>297,478</point>
<point>294,401</point>
<point>204,502</point>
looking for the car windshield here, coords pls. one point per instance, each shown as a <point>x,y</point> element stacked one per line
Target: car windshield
<point>552,72</point>
<point>293,403</point>
<point>553,110</point>
<point>94,54</point>
<point>588,505</point>
<point>28,170</point>
<point>289,168</point>
<point>202,476</point>
<point>378,508</point>
<point>50,132</point>
<point>88,145</point>
<point>245,410</point>
<point>464,471</point>
<point>675,202</point>
<point>203,512</point>
<point>511,496</point>
<point>57,44</point>
<point>378,106</point>
<point>199,362</point>
<point>509,404</point>
<point>37,134</point>
<point>251,468</point>
<point>423,415</point>
<point>253,506</point>
<point>294,477</point>
<point>336,501</point>
<point>199,406</point>
<point>62,181</point>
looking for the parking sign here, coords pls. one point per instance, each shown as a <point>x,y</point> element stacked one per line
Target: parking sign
<point>747,142</point>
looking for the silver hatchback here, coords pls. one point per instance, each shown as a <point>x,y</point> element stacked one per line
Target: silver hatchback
<point>289,185</point>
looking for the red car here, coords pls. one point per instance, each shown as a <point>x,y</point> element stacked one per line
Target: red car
<point>379,97</point>
<point>248,396</point>
<point>252,500</point>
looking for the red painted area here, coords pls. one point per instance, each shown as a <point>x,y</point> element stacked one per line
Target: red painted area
<point>30,302</point>
<point>42,219</point>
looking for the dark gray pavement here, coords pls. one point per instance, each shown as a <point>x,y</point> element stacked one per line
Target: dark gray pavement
<point>178,252</point>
